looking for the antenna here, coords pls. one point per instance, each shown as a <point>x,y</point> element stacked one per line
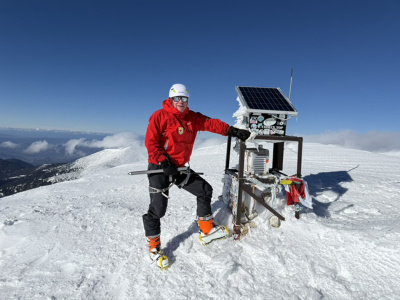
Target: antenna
<point>291,81</point>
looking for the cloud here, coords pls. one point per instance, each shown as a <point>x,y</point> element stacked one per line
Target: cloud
<point>119,140</point>
<point>37,147</point>
<point>8,144</point>
<point>115,141</point>
<point>375,141</point>
<point>71,145</point>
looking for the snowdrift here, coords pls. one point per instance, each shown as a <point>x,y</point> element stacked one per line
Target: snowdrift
<point>83,239</point>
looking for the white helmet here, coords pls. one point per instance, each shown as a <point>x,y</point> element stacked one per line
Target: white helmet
<point>178,90</point>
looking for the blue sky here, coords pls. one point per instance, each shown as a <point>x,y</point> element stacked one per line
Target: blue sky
<point>106,66</point>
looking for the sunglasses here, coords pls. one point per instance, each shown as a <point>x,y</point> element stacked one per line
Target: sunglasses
<point>179,98</point>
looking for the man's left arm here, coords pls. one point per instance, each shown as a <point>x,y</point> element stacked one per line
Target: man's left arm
<point>217,126</point>
<point>204,123</point>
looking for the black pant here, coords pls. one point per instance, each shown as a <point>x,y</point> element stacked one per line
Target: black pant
<point>158,202</point>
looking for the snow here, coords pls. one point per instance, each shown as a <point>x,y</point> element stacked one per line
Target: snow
<point>84,239</point>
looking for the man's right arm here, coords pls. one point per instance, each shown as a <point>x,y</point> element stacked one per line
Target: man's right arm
<point>153,140</point>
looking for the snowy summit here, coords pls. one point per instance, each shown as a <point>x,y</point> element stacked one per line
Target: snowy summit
<point>84,239</point>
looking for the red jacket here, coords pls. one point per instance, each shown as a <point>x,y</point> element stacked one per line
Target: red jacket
<point>173,133</point>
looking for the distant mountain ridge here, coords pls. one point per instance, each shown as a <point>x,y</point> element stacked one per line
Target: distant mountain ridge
<point>22,170</point>
<point>18,176</point>
<point>13,164</point>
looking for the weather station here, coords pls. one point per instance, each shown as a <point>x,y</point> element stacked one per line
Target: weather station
<point>259,178</point>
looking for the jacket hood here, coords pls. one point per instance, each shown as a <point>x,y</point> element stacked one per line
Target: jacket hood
<point>169,108</point>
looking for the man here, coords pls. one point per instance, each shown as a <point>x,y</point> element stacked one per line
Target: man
<point>169,140</point>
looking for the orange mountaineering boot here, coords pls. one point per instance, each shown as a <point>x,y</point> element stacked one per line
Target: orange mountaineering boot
<point>209,232</point>
<point>156,255</point>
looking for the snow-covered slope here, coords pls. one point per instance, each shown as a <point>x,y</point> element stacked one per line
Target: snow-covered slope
<point>83,239</point>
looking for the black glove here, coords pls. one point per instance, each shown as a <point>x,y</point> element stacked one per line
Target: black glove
<point>169,168</point>
<point>239,133</point>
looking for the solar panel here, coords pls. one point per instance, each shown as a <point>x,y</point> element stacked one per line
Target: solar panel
<point>265,100</point>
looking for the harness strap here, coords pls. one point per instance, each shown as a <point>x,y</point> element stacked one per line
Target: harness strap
<point>183,183</point>
<point>154,190</point>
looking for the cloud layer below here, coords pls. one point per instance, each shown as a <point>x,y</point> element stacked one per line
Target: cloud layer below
<point>118,140</point>
<point>374,141</point>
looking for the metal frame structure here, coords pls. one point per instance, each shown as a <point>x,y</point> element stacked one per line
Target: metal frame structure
<point>277,164</point>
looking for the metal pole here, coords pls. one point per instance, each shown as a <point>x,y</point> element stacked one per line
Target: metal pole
<point>299,156</point>
<point>277,156</point>
<point>181,169</point>
<point>240,189</point>
<point>291,81</point>
<point>260,200</point>
<point>228,153</point>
